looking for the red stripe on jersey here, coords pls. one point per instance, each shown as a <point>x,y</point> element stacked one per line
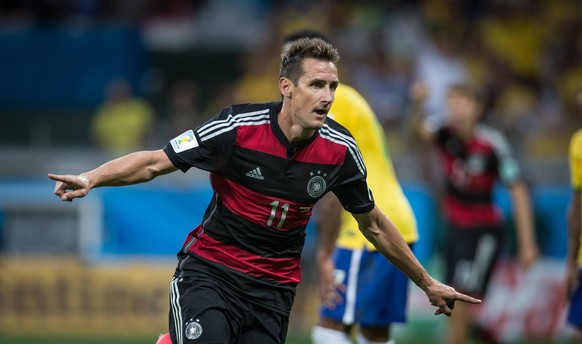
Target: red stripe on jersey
<point>283,270</point>
<point>322,151</point>
<point>261,138</point>
<point>470,215</point>
<point>263,210</point>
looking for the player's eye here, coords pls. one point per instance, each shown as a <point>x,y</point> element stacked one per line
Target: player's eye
<point>318,84</point>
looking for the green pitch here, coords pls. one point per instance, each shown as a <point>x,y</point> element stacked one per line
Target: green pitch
<point>105,340</point>
<point>143,340</point>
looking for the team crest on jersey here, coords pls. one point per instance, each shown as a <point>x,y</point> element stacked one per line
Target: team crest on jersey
<point>193,329</point>
<point>316,185</point>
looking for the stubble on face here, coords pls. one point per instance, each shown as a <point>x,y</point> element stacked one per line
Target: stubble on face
<point>315,92</point>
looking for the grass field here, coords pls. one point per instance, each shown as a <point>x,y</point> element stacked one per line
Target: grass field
<point>104,340</point>
<point>418,330</point>
<point>420,339</point>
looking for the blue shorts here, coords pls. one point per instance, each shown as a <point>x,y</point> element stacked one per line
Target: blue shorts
<point>376,291</point>
<point>575,313</point>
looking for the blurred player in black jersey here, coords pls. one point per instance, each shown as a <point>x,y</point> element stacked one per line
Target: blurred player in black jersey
<point>475,157</point>
<point>269,164</point>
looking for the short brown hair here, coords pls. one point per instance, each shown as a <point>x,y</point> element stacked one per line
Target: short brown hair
<point>301,49</point>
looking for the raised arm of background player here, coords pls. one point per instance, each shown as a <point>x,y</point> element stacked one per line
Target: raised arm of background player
<point>144,166</point>
<point>520,197</point>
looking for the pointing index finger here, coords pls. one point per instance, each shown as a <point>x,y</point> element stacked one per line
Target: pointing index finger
<point>467,298</point>
<point>60,177</point>
<point>63,182</point>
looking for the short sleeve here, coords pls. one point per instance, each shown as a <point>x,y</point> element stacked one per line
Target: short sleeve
<point>207,147</point>
<point>507,167</point>
<point>353,191</point>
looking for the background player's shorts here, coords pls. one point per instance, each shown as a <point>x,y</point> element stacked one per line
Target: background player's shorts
<point>575,312</point>
<point>470,255</point>
<point>376,291</point>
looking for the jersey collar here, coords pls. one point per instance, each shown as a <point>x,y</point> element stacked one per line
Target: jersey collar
<point>292,148</point>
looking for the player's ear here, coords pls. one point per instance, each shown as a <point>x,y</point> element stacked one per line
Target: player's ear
<point>285,87</point>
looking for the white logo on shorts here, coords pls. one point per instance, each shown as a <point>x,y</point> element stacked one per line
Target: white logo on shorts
<point>193,330</point>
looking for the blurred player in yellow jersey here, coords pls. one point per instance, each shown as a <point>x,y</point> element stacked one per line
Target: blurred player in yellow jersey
<point>574,260</point>
<point>358,286</point>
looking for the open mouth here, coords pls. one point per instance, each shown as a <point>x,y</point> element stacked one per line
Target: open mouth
<point>321,112</point>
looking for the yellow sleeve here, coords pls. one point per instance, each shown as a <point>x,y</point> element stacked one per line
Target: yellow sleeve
<point>352,111</point>
<point>576,160</point>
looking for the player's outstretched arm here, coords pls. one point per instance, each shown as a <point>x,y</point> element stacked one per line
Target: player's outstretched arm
<point>380,231</point>
<point>130,169</point>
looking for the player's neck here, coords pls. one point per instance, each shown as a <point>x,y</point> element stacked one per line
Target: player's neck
<point>294,132</point>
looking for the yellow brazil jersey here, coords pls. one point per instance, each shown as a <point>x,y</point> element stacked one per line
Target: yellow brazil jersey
<point>576,170</point>
<point>352,111</point>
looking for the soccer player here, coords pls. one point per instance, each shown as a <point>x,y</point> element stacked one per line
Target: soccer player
<point>474,157</point>
<point>269,163</point>
<point>358,286</point>
<point>574,217</point>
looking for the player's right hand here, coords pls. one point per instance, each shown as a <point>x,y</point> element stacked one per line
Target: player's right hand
<point>69,187</point>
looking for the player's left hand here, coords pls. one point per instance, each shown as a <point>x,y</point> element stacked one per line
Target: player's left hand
<point>69,187</point>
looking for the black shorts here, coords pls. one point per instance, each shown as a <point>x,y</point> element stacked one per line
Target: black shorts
<point>470,255</point>
<point>203,313</point>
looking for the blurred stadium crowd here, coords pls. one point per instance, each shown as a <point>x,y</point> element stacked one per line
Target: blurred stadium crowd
<point>184,60</point>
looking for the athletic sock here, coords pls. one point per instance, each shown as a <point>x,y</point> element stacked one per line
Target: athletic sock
<point>322,335</point>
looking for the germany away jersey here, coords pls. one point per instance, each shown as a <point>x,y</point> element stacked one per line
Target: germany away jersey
<point>472,168</point>
<point>265,187</point>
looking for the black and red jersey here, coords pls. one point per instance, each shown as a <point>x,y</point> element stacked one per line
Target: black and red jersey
<point>472,168</point>
<point>265,188</point>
